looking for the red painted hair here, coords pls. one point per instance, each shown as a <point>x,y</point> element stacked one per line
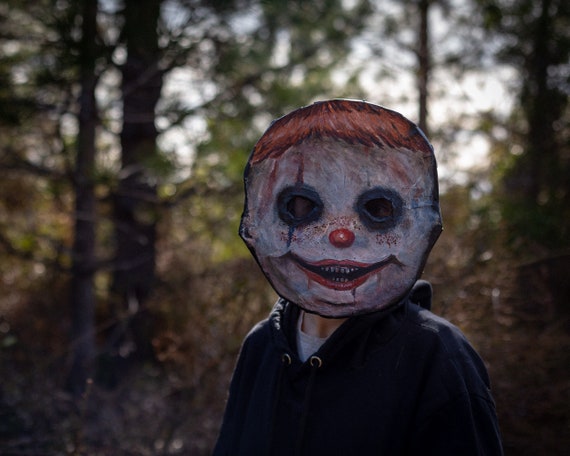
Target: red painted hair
<point>351,121</point>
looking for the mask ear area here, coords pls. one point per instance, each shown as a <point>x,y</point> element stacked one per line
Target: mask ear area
<point>244,233</point>
<point>243,230</point>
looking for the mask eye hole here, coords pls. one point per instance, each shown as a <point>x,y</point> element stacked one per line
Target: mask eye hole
<point>299,205</point>
<point>379,208</point>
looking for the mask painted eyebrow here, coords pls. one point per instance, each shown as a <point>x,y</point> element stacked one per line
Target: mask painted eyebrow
<point>379,208</point>
<point>298,205</point>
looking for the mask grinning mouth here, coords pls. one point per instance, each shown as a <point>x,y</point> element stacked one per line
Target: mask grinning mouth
<point>342,275</point>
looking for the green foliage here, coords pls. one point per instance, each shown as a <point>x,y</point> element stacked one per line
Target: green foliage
<point>284,62</point>
<point>532,162</point>
<point>546,224</point>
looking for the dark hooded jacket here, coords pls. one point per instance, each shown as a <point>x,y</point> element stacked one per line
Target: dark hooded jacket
<point>400,381</point>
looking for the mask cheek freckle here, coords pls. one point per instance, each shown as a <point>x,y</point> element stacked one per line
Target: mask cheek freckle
<point>388,239</point>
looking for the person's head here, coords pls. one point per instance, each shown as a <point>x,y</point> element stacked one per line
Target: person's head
<point>342,206</point>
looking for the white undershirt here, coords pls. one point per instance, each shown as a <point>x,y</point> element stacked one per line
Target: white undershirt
<point>307,345</point>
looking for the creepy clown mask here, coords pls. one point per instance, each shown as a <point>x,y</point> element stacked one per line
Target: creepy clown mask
<point>341,206</point>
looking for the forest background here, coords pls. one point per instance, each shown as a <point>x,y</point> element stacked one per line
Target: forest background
<point>125,126</point>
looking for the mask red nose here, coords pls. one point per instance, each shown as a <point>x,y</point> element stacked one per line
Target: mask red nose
<point>341,238</point>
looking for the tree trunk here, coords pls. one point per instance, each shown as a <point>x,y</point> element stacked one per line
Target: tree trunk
<point>423,64</point>
<point>542,110</point>
<point>135,202</point>
<point>83,256</point>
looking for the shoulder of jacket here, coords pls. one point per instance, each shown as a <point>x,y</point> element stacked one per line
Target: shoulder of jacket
<point>258,332</point>
<point>428,321</point>
<point>436,334</point>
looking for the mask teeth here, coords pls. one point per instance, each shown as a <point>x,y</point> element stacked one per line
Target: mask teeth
<point>340,279</point>
<point>338,269</point>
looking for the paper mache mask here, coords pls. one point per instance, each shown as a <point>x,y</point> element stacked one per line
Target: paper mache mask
<point>342,206</point>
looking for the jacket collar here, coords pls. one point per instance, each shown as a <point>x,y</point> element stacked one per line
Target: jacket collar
<point>353,341</point>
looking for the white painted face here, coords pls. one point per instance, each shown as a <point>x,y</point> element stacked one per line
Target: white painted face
<point>341,229</point>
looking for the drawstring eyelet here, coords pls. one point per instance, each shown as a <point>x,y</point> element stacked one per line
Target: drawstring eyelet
<point>286,359</point>
<point>316,362</point>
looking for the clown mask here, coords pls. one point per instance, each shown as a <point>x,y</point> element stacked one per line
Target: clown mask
<point>341,207</point>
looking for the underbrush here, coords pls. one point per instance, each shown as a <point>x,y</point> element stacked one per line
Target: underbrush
<point>173,403</point>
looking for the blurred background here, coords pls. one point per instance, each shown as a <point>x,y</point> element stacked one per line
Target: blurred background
<point>125,291</point>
